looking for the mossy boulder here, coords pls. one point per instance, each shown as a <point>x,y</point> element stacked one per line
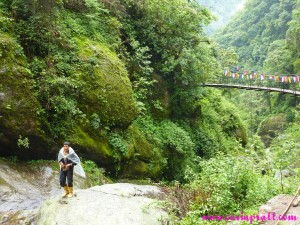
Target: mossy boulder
<point>270,128</point>
<point>107,90</point>
<point>145,160</point>
<point>138,169</point>
<point>18,105</point>
<point>106,99</point>
<point>92,146</point>
<point>142,148</point>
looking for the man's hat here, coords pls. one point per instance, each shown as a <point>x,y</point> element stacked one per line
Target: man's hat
<point>67,143</point>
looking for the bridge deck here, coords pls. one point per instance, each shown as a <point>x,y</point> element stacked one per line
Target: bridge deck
<point>257,88</point>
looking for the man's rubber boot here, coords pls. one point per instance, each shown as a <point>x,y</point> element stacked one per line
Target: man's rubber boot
<point>70,195</point>
<point>66,188</point>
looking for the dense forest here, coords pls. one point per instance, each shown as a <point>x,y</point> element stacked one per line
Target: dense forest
<point>265,36</point>
<point>117,79</point>
<point>120,81</point>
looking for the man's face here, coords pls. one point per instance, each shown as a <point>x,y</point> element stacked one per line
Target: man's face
<point>66,148</point>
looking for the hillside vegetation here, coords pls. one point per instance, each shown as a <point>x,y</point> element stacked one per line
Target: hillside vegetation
<point>265,35</point>
<point>120,81</point>
<point>115,78</point>
<point>222,10</point>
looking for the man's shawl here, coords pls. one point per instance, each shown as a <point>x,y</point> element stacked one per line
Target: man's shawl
<point>74,158</point>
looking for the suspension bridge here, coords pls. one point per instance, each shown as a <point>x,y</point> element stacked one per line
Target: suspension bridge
<point>286,84</point>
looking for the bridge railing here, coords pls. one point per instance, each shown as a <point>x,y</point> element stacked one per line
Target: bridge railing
<point>288,84</point>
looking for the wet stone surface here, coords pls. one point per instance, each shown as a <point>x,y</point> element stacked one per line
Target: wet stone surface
<point>23,189</point>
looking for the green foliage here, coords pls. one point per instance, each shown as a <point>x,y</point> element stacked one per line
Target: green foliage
<point>58,95</point>
<point>177,53</point>
<point>215,124</point>
<point>284,152</point>
<point>222,10</point>
<point>177,146</point>
<point>5,23</point>
<point>278,59</point>
<point>270,127</point>
<point>23,142</point>
<point>60,64</point>
<point>119,145</point>
<point>92,65</point>
<point>227,58</point>
<point>140,71</point>
<point>293,35</point>
<point>197,59</point>
<point>87,68</point>
<point>252,31</point>
<point>107,88</point>
<point>95,121</point>
<point>180,147</point>
<point>93,172</point>
<point>175,138</point>
<point>228,186</point>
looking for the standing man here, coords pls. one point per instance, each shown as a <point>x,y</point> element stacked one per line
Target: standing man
<point>67,159</point>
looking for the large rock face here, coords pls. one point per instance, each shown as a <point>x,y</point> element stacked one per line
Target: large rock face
<point>108,204</point>
<point>107,90</point>
<point>18,106</point>
<point>24,187</point>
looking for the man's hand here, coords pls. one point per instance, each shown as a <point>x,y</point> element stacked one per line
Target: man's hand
<point>69,165</point>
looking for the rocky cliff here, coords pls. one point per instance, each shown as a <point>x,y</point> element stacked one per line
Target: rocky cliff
<point>112,204</point>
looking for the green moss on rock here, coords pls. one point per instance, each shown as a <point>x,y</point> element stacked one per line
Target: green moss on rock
<point>142,147</point>
<point>95,147</point>
<point>270,127</point>
<point>139,169</point>
<point>107,90</point>
<point>135,168</point>
<point>18,107</point>
<point>146,161</point>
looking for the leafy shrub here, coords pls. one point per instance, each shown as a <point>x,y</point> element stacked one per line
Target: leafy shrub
<point>93,172</point>
<point>119,145</point>
<point>229,185</point>
<point>23,142</point>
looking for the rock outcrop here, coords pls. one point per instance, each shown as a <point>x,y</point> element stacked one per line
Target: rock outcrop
<point>24,187</point>
<point>275,208</point>
<point>112,204</point>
